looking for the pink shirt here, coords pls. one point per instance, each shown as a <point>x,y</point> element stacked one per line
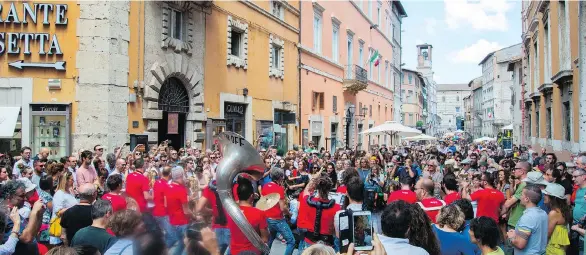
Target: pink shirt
<point>86,175</point>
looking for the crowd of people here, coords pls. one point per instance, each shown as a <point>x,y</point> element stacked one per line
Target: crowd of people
<point>442,198</point>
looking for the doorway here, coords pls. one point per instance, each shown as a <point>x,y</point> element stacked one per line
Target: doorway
<point>174,102</point>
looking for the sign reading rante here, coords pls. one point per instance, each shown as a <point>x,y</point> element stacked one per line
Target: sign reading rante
<point>15,43</point>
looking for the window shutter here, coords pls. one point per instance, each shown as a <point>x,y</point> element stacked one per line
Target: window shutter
<point>334,103</point>
<point>321,101</point>
<point>314,101</point>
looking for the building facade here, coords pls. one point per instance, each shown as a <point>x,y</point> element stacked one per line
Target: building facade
<point>477,110</point>
<point>347,75</point>
<point>550,57</point>
<point>496,83</point>
<point>252,79</point>
<point>450,107</point>
<point>517,105</point>
<point>412,99</point>
<point>468,108</point>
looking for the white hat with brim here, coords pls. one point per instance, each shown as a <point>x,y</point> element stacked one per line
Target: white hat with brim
<point>28,185</point>
<point>555,190</point>
<point>535,178</point>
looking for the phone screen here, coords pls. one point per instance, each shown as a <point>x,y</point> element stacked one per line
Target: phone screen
<point>362,231</point>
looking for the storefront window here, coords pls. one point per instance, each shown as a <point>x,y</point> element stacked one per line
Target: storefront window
<point>50,129</point>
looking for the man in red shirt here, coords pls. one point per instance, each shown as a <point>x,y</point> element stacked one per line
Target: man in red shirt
<point>114,184</point>
<point>137,185</point>
<point>489,199</point>
<point>275,219</point>
<point>450,187</point>
<point>209,203</point>
<point>239,241</point>
<point>178,206</point>
<point>160,191</point>
<point>317,230</point>
<point>405,193</point>
<point>431,205</point>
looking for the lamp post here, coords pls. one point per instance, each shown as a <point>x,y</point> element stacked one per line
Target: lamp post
<point>349,116</point>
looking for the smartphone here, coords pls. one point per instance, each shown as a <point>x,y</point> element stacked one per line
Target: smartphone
<point>362,233</point>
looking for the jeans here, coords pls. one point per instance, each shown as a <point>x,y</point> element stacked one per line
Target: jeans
<point>170,236</point>
<point>302,246</point>
<point>223,238</point>
<point>281,226</point>
<point>508,248</point>
<point>179,233</point>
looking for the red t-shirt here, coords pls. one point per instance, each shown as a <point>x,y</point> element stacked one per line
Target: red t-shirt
<point>275,211</point>
<point>295,173</point>
<point>159,190</point>
<point>432,206</point>
<point>238,241</point>
<point>452,197</point>
<point>342,189</point>
<point>211,197</point>
<point>405,195</point>
<point>489,202</point>
<point>176,198</point>
<point>136,185</point>
<point>118,201</point>
<point>308,222</point>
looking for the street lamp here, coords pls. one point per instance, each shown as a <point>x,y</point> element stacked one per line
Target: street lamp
<point>349,116</point>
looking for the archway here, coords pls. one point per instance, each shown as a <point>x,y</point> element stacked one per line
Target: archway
<point>174,103</point>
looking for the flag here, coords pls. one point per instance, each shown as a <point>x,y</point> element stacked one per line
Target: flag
<point>377,62</point>
<point>373,57</point>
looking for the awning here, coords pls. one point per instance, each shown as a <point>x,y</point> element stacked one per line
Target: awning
<point>8,118</point>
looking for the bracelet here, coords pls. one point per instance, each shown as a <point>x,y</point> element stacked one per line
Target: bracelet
<point>16,233</point>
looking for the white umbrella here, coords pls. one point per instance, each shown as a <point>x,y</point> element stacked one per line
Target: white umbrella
<point>508,127</point>
<point>483,139</point>
<point>421,137</point>
<point>392,128</point>
<point>448,134</point>
<point>459,131</point>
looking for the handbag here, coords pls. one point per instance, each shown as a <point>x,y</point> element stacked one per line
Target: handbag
<point>55,227</point>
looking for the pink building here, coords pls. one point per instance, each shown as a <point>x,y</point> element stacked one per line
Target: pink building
<point>338,40</point>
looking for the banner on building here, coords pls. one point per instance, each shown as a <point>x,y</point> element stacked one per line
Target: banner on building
<point>172,123</point>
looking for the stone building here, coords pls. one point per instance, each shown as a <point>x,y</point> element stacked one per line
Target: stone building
<point>450,105</point>
<point>550,52</point>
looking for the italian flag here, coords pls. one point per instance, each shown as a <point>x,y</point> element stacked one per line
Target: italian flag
<point>375,58</point>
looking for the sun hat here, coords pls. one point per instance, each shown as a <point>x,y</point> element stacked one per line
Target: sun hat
<point>466,161</point>
<point>535,178</point>
<point>555,190</point>
<point>28,185</point>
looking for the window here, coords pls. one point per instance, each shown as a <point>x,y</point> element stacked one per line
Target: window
<point>410,96</point>
<point>410,76</point>
<point>410,119</point>
<point>335,103</point>
<point>276,56</point>
<point>458,98</point>
<point>546,53</point>
<point>361,54</point>
<point>317,25</point>
<point>236,37</point>
<point>370,111</point>
<point>403,95</point>
<point>564,36</point>
<point>567,124</point>
<point>318,101</point>
<point>277,68</point>
<point>393,33</point>
<point>277,10</point>
<point>548,122</point>
<point>177,24</point>
<point>443,98</point>
<point>387,74</point>
<point>457,109</point>
<point>536,124</point>
<point>335,43</point>
<point>370,10</point>
<point>535,67</point>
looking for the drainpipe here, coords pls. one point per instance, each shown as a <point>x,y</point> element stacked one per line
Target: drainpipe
<point>300,130</point>
<point>522,104</point>
<point>582,76</point>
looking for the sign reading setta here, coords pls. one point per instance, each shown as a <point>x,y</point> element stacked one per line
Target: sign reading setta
<point>23,13</point>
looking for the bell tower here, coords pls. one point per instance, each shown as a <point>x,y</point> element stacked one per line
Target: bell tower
<point>424,55</point>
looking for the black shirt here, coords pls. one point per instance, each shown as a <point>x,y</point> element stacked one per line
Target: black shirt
<point>95,237</point>
<point>76,218</point>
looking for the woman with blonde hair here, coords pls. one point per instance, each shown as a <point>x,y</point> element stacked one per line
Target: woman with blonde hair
<point>450,221</point>
<point>62,200</point>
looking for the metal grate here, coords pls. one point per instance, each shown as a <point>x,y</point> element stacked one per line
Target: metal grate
<point>173,96</point>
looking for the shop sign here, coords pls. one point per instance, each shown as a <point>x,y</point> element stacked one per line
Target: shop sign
<point>234,109</point>
<point>49,107</point>
<point>13,43</point>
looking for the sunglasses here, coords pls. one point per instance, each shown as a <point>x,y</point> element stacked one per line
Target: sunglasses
<point>100,149</point>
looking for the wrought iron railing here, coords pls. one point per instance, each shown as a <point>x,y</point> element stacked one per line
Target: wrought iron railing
<point>355,72</point>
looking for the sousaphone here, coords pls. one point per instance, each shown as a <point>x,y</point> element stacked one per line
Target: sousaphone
<point>238,157</point>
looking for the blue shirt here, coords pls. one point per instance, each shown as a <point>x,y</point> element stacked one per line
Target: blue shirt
<point>580,207</point>
<point>533,222</point>
<point>453,243</point>
<point>363,173</point>
<point>21,248</point>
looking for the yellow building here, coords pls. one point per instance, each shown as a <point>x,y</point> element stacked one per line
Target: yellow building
<point>251,75</point>
<point>551,79</point>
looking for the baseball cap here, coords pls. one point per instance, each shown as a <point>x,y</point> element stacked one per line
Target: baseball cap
<point>555,190</point>
<point>535,178</point>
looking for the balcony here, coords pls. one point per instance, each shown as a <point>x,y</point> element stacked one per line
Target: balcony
<point>355,78</point>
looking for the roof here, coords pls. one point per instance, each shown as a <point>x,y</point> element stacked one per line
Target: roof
<point>409,70</point>
<point>492,53</point>
<point>400,8</point>
<point>425,44</point>
<point>451,87</point>
<point>486,58</point>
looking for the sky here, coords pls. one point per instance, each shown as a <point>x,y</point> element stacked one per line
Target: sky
<point>462,33</point>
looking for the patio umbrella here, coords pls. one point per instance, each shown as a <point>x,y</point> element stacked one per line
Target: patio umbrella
<point>484,139</point>
<point>421,137</point>
<point>508,127</point>
<point>392,128</point>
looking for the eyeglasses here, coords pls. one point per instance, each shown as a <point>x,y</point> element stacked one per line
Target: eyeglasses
<point>100,149</point>
<point>576,176</point>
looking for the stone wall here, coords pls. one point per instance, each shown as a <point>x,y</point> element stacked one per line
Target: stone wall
<point>102,85</point>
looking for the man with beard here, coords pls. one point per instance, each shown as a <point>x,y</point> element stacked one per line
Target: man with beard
<point>86,172</point>
<point>13,195</point>
<point>25,160</point>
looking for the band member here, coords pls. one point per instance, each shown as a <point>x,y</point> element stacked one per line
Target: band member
<point>239,241</point>
<point>209,203</point>
<point>275,219</point>
<point>316,213</point>
<point>137,185</point>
